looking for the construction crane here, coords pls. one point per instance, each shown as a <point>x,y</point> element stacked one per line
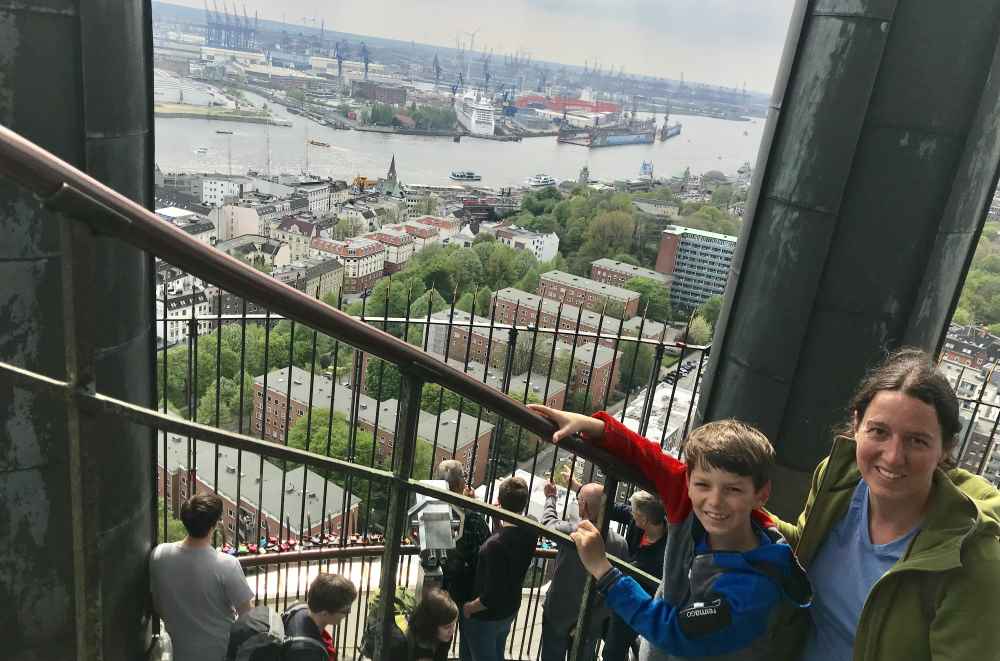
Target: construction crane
<point>486,73</point>
<point>437,71</point>
<point>339,54</point>
<point>472,39</point>
<point>364,57</point>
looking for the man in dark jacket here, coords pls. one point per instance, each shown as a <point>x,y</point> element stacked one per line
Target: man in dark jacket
<point>460,565</point>
<point>328,601</point>
<point>504,559</point>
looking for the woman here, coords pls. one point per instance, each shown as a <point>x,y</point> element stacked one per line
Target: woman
<point>901,548</point>
<point>430,630</point>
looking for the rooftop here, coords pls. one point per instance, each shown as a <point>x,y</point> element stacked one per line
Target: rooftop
<point>675,229</point>
<point>324,389</point>
<point>631,269</point>
<point>587,318</point>
<point>579,282</point>
<point>207,458</point>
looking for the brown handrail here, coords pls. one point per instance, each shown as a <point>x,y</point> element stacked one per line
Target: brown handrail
<point>65,188</point>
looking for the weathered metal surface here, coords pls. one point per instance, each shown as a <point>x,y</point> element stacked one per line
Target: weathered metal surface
<point>74,78</point>
<point>880,149</point>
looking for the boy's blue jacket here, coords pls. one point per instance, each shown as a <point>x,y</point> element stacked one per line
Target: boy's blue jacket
<point>710,604</point>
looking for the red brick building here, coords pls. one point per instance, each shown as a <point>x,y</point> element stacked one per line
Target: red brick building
<point>590,294</point>
<point>398,248</point>
<point>451,433</point>
<point>363,260</point>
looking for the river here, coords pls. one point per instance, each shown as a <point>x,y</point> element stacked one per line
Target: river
<point>704,144</point>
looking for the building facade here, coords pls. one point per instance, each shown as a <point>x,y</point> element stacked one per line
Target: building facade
<point>298,233</point>
<point>698,263</point>
<point>543,246</point>
<point>617,273</point>
<point>591,294</point>
<point>398,248</point>
<point>363,260</point>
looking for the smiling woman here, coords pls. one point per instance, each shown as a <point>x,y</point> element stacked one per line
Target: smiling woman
<point>919,537</point>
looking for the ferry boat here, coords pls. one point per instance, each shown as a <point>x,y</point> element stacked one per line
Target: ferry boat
<point>201,151</point>
<point>540,180</point>
<point>475,114</point>
<point>464,175</point>
<point>317,143</point>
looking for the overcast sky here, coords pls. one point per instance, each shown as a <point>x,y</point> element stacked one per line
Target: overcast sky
<point>722,42</point>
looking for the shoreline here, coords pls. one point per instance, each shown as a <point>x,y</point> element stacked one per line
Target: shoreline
<point>249,119</point>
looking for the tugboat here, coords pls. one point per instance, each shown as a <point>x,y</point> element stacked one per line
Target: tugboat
<point>464,175</point>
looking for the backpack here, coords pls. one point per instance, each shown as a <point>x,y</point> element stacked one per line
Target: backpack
<point>259,635</point>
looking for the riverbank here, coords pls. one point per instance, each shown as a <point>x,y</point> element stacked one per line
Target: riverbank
<point>181,111</point>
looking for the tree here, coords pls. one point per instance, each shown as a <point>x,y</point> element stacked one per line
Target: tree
<point>175,529</point>
<point>710,310</point>
<point>626,258</point>
<point>382,379</point>
<point>700,332</point>
<point>635,377</point>
<point>654,297</point>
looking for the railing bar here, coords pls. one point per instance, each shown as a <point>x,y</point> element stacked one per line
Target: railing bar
<point>239,429</point>
<point>975,411</point>
<point>479,415</point>
<point>218,403</point>
<point>465,369</point>
<point>694,393</point>
<point>166,467</point>
<point>282,517</point>
<point>368,319</point>
<point>548,382</point>
<point>499,428</point>
<point>545,394</point>
<point>306,533</point>
<point>673,387</point>
<point>569,379</point>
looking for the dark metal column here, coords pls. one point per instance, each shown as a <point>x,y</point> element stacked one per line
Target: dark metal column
<point>404,451</point>
<point>76,78</point>
<point>879,157</point>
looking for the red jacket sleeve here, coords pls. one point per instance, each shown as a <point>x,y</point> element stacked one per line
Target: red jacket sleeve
<point>668,474</point>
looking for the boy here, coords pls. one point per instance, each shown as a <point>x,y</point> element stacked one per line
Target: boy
<point>727,569</point>
<point>328,601</point>
<point>504,559</point>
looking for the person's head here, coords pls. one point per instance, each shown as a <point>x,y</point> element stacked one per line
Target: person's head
<point>200,513</point>
<point>434,618</point>
<point>904,416</point>
<point>588,501</point>
<point>647,510</point>
<point>452,472</point>
<point>330,597</point>
<point>729,474</point>
<point>513,494</point>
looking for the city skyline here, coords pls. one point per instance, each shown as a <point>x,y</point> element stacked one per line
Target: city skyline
<point>716,43</point>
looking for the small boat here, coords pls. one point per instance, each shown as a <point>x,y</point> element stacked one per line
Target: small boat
<point>540,180</point>
<point>201,150</point>
<point>464,175</point>
<point>317,143</point>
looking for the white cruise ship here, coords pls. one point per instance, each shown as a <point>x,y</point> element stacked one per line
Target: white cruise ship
<point>475,114</point>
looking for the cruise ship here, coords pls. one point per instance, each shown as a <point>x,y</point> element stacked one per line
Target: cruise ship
<point>475,114</point>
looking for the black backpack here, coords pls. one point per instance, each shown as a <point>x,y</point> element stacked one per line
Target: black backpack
<point>259,635</point>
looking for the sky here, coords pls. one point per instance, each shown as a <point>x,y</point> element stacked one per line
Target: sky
<point>720,42</point>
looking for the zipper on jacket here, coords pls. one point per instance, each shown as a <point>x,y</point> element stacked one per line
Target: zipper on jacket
<point>821,489</point>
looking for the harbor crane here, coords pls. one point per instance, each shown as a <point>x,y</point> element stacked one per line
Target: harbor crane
<point>364,57</point>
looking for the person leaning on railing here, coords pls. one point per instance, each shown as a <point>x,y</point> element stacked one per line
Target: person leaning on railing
<point>901,547</point>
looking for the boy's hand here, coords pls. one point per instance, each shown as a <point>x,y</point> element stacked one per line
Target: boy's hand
<point>468,492</point>
<point>591,429</point>
<point>550,489</point>
<point>590,546</point>
<point>567,476</point>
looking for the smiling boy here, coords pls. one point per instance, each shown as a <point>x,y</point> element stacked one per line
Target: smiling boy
<point>727,570</point>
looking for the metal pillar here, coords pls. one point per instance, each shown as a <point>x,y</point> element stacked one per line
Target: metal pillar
<point>76,78</point>
<point>395,526</point>
<point>879,158</point>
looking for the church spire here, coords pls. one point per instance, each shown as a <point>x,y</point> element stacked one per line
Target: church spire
<point>392,169</point>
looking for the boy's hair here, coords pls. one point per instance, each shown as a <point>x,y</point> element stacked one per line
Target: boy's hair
<point>453,473</point>
<point>330,593</point>
<point>732,446</point>
<point>200,513</point>
<point>513,494</point>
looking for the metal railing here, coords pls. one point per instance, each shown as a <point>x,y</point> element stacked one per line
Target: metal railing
<point>389,471</point>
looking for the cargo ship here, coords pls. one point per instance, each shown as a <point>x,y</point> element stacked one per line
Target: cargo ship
<point>667,132</point>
